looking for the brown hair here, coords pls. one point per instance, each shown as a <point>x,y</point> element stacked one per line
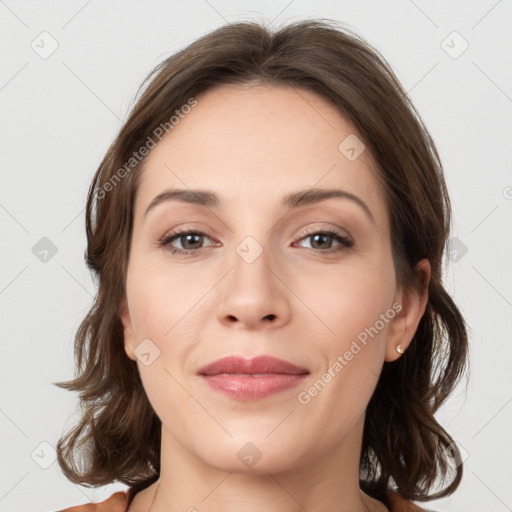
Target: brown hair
<point>404,446</point>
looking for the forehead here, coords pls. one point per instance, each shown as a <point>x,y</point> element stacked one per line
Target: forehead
<point>257,144</point>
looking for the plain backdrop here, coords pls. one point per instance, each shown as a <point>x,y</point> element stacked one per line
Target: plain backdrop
<point>68,73</point>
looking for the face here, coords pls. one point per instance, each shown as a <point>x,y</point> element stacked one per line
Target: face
<point>311,283</point>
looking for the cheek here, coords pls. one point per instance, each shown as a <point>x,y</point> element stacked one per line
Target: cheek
<point>353,309</point>
<point>342,303</point>
<point>166,390</point>
<point>165,298</point>
<point>165,309</point>
<point>359,315</point>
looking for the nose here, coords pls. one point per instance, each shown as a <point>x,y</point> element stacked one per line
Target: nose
<point>254,295</point>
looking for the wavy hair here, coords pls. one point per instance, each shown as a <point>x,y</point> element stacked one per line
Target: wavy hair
<point>404,447</point>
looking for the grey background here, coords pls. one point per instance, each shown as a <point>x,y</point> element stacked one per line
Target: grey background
<point>60,113</point>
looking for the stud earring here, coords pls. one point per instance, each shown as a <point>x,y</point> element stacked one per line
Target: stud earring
<point>399,349</point>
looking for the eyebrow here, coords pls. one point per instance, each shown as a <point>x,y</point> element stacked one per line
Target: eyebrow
<point>294,200</point>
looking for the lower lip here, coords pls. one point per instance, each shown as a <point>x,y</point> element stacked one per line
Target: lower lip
<point>246,387</point>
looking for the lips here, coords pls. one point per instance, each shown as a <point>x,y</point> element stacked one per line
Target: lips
<point>251,379</point>
<point>257,366</point>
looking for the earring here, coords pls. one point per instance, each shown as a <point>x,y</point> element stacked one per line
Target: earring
<point>399,349</point>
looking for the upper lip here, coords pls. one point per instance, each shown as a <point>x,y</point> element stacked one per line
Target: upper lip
<point>256,365</point>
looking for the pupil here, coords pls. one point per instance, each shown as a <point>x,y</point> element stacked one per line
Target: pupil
<point>315,237</point>
<point>186,238</point>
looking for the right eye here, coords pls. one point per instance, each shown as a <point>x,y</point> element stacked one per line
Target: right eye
<point>186,237</point>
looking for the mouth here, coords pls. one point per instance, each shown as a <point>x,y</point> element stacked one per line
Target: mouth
<point>251,379</point>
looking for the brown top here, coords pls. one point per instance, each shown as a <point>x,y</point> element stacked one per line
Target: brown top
<point>118,502</point>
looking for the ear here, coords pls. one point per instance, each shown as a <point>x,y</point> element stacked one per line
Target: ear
<point>413,303</point>
<point>124,315</point>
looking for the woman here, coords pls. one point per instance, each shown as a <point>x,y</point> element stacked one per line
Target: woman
<point>230,361</point>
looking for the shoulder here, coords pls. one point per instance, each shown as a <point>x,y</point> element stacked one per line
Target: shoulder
<point>399,504</point>
<point>118,502</point>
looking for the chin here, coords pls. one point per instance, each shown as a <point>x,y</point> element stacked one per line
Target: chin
<point>253,455</point>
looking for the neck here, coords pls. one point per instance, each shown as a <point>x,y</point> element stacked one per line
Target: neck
<point>327,481</point>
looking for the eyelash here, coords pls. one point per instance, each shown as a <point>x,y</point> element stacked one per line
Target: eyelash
<point>346,242</point>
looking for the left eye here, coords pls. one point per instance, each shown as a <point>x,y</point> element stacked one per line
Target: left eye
<point>191,241</point>
<point>319,237</point>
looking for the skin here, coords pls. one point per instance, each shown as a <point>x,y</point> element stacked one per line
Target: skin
<point>252,146</point>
